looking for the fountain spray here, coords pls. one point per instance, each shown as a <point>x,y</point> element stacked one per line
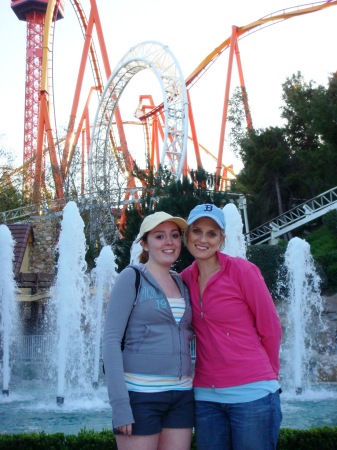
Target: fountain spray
<point>235,244</point>
<point>70,302</point>
<point>303,309</point>
<point>8,307</point>
<point>103,277</point>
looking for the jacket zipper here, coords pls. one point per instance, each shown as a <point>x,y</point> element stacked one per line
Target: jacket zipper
<point>180,355</point>
<point>201,311</point>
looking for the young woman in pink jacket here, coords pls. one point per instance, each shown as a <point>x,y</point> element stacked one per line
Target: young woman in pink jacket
<point>238,336</point>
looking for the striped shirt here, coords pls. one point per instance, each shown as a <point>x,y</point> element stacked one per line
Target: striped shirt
<point>178,308</point>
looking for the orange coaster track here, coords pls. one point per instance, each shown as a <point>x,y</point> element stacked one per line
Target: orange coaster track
<point>46,142</point>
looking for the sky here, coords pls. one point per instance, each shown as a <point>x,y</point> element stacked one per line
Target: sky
<point>191,29</point>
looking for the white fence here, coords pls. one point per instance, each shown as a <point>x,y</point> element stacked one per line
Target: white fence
<point>33,347</point>
<point>38,347</point>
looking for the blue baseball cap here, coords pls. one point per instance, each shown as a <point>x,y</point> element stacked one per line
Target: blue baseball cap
<point>210,211</point>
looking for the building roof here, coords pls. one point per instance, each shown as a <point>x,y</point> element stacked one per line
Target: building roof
<point>21,234</point>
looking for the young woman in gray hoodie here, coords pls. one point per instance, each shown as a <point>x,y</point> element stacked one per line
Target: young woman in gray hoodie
<point>149,381</point>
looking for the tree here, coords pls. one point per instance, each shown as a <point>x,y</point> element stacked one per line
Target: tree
<point>287,166</point>
<point>311,116</point>
<point>10,182</point>
<point>265,157</point>
<point>266,160</point>
<point>10,196</point>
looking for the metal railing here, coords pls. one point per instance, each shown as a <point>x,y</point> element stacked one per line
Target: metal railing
<point>55,206</point>
<point>298,216</point>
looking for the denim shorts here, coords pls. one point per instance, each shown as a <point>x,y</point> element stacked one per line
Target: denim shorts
<point>154,411</point>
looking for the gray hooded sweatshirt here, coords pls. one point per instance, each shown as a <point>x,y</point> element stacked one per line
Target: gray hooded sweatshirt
<point>154,343</point>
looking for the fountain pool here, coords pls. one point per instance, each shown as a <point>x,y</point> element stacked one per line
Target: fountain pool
<point>313,408</point>
<point>32,408</point>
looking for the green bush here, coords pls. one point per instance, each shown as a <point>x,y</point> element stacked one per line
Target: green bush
<point>269,259</point>
<point>323,438</point>
<point>85,440</point>
<point>323,244</point>
<point>330,221</point>
<point>329,262</point>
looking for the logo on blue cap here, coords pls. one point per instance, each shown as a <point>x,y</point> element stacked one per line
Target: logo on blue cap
<point>210,211</point>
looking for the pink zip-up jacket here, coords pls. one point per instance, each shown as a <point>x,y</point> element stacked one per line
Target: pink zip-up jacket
<point>238,331</point>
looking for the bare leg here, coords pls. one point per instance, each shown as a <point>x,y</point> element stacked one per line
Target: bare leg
<point>138,442</point>
<point>175,438</point>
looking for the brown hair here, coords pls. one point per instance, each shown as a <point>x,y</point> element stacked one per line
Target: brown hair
<point>144,255</point>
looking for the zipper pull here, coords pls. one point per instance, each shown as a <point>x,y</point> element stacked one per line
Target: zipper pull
<point>201,311</point>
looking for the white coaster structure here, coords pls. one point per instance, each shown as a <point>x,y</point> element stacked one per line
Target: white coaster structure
<point>160,60</point>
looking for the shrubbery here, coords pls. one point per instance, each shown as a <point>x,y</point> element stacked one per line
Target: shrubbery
<point>323,438</point>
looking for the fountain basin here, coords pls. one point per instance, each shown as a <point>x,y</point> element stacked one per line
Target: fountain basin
<point>31,407</point>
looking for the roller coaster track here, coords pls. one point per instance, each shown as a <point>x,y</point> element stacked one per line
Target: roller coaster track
<point>61,162</point>
<point>55,206</point>
<point>244,31</point>
<point>266,233</point>
<point>294,218</point>
<point>277,227</point>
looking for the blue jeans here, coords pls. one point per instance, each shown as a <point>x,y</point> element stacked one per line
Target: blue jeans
<point>239,426</point>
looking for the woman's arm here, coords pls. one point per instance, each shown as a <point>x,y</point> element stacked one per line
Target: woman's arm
<point>120,305</point>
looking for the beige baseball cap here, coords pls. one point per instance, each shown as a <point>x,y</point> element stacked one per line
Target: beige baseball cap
<point>150,222</point>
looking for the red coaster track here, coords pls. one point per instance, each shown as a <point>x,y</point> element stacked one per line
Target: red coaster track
<point>40,142</point>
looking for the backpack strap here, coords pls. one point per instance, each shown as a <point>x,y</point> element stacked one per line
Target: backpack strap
<point>137,283</point>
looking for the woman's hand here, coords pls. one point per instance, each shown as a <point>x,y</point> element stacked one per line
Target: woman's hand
<point>126,429</point>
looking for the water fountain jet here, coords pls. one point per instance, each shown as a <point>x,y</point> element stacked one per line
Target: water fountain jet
<point>103,277</point>
<point>68,308</point>
<point>303,308</point>
<point>8,306</point>
<point>135,251</point>
<point>235,244</point>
